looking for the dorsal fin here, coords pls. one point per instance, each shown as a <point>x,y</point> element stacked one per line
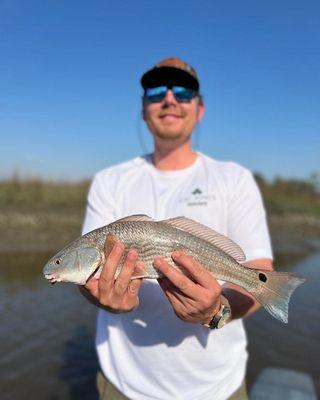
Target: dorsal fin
<point>208,234</point>
<point>135,217</point>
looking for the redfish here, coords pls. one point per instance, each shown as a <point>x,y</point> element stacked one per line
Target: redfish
<point>217,253</point>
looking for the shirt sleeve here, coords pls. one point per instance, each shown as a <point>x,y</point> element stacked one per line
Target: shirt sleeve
<point>247,225</point>
<point>100,209</point>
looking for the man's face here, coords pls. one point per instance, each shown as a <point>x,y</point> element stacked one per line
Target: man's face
<point>171,120</point>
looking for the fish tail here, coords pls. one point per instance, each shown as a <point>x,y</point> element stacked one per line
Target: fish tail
<point>275,290</point>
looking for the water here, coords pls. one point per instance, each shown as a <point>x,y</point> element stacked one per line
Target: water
<point>296,345</point>
<point>47,333</point>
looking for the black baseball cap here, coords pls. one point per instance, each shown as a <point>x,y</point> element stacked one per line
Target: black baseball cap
<point>171,71</point>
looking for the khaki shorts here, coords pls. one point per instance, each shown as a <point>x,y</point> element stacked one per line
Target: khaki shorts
<point>109,392</point>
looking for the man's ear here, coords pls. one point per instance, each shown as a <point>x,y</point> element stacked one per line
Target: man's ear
<point>200,109</point>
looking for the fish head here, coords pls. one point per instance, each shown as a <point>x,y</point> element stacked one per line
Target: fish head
<point>73,264</point>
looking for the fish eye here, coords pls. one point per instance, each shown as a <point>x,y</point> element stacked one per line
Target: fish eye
<point>57,262</point>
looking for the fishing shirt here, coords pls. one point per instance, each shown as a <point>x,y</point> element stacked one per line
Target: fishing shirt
<point>149,353</point>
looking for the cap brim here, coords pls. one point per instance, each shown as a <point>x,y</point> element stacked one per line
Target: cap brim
<point>169,76</point>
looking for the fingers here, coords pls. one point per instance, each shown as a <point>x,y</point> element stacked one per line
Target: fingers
<point>167,286</point>
<point>121,294</point>
<point>171,291</point>
<point>106,279</point>
<point>179,280</point>
<point>111,240</point>
<point>175,295</point>
<point>134,285</point>
<point>184,307</point>
<point>139,271</point>
<point>92,286</point>
<point>123,280</point>
<point>195,269</point>
<point>199,288</point>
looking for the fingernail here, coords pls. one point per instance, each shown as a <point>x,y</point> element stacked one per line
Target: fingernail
<point>133,254</point>
<point>119,247</point>
<point>157,262</point>
<point>176,253</point>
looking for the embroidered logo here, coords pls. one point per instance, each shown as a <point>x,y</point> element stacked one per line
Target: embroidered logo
<point>197,198</point>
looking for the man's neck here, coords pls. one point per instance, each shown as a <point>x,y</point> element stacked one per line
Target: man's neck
<point>174,158</point>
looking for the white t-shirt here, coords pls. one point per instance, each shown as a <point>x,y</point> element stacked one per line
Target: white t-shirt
<point>150,353</point>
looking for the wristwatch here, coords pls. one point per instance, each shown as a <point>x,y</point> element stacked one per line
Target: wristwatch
<point>222,317</point>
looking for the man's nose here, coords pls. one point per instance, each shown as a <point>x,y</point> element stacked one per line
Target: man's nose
<point>169,98</point>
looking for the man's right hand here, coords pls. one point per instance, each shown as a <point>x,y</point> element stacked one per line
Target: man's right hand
<point>115,295</point>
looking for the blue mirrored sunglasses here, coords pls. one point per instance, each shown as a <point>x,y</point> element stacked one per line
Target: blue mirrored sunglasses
<point>181,94</point>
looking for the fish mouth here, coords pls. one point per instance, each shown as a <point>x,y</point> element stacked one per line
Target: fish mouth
<point>52,278</point>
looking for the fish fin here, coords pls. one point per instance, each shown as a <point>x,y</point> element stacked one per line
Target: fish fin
<point>109,243</point>
<point>141,276</point>
<point>208,234</point>
<point>98,272</point>
<point>275,292</point>
<point>140,273</point>
<point>155,275</point>
<point>135,217</point>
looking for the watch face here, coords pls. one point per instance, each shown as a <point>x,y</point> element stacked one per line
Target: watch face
<point>226,314</point>
<point>221,323</point>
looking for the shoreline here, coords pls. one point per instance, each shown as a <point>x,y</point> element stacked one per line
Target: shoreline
<point>25,231</point>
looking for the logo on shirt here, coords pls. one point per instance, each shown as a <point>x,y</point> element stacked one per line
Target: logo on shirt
<point>197,198</point>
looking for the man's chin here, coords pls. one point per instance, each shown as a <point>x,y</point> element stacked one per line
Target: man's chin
<point>170,132</point>
<point>169,135</point>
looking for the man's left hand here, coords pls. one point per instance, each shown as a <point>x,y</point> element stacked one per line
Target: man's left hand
<point>195,298</point>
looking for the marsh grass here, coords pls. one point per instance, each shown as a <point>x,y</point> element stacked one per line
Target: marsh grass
<point>280,196</point>
<point>38,194</point>
<point>287,197</point>
<point>43,215</point>
<point>39,215</point>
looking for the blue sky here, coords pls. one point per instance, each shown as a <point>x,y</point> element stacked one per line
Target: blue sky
<point>70,70</point>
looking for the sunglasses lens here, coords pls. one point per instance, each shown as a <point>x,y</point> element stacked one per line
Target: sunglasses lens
<point>156,94</point>
<point>182,94</point>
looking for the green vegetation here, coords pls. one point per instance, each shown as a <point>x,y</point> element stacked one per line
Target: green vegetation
<point>39,195</point>
<point>38,215</point>
<point>283,197</point>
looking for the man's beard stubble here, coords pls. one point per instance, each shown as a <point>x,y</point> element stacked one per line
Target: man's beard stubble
<point>172,136</point>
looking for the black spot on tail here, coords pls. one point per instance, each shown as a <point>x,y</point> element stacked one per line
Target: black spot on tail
<point>262,277</point>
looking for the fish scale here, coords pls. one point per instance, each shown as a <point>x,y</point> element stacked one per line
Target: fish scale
<point>217,253</point>
<point>165,241</point>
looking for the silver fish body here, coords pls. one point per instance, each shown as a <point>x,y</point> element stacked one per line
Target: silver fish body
<point>166,239</point>
<point>222,257</point>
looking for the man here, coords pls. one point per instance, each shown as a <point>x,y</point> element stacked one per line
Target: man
<point>154,339</point>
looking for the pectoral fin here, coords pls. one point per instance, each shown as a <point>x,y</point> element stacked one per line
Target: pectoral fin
<point>141,273</point>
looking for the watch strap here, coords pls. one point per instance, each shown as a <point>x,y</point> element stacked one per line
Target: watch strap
<point>222,316</point>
